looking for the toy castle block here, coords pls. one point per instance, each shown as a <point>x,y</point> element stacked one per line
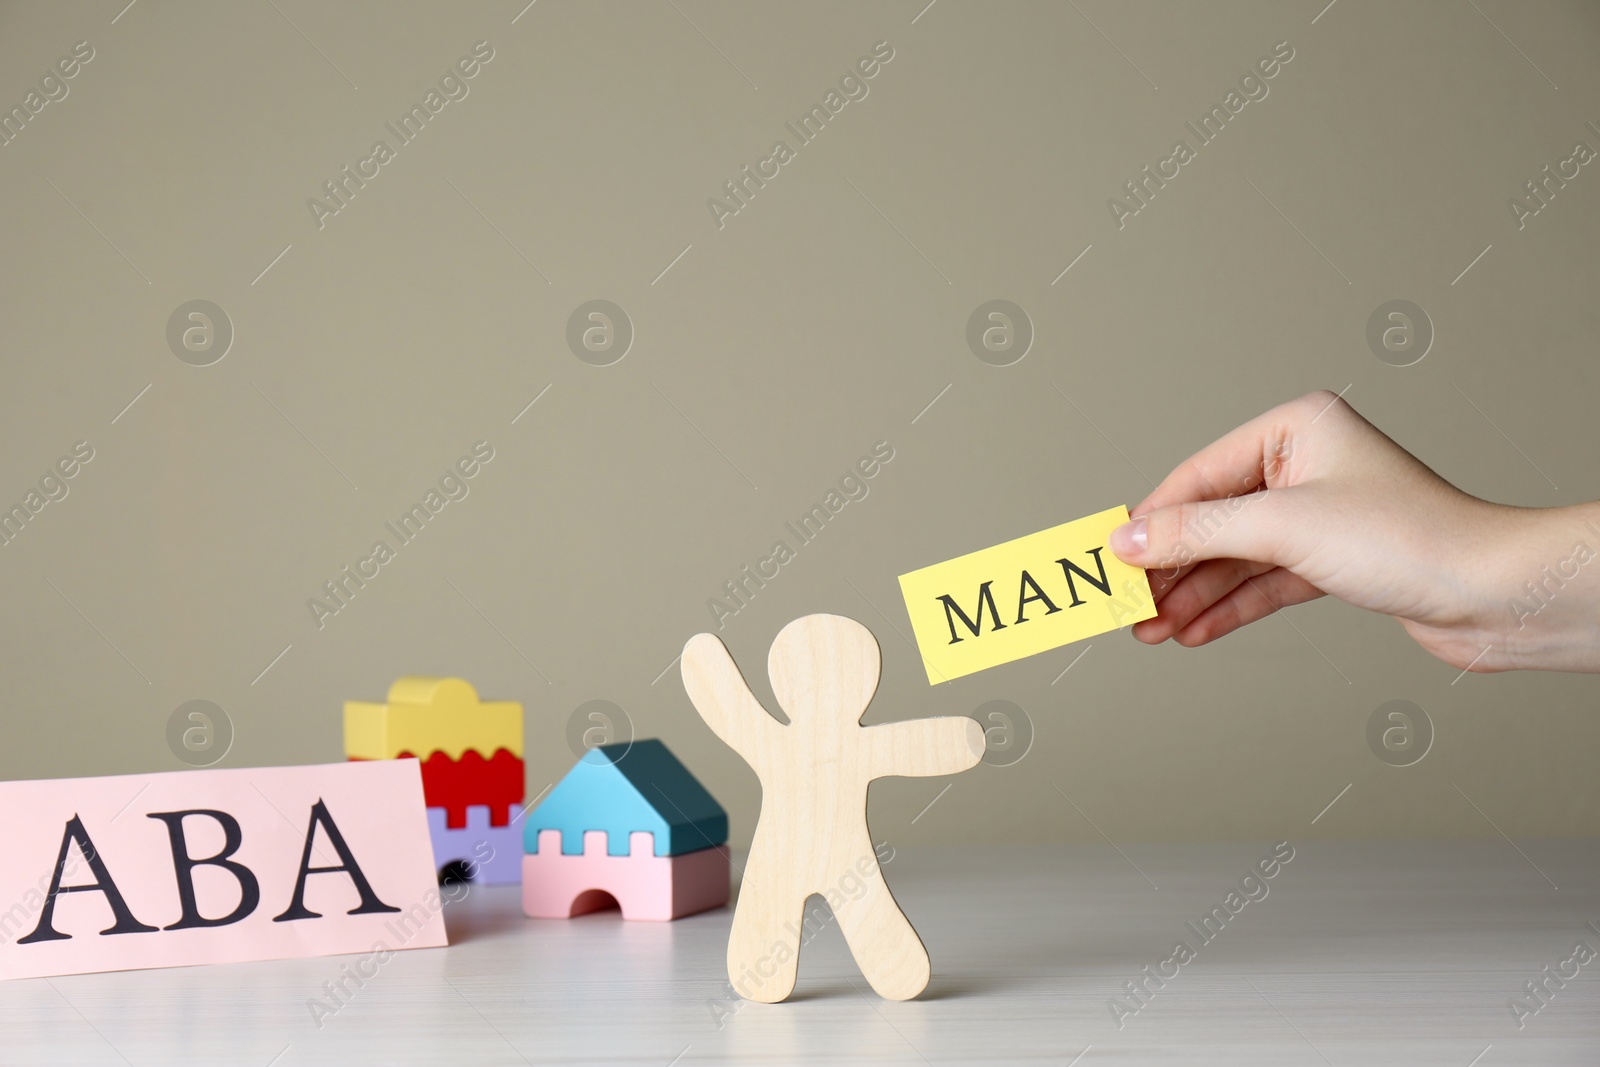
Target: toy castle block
<point>629,822</point>
<point>472,770</point>
<point>477,851</point>
<point>645,886</point>
<point>428,715</point>
<point>454,785</point>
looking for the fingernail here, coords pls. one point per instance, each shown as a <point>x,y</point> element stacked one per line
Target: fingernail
<point>1131,537</point>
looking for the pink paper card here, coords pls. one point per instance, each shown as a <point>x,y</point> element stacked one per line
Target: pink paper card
<point>215,866</point>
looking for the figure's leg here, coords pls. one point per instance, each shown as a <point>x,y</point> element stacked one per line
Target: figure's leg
<point>886,948</point>
<point>764,947</point>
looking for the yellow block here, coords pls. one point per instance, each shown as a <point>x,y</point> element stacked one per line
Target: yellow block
<point>1024,597</point>
<point>428,715</point>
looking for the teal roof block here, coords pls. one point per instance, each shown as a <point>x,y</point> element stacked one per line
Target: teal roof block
<point>625,787</point>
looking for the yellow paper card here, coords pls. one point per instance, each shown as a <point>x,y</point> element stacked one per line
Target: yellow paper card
<point>1026,596</point>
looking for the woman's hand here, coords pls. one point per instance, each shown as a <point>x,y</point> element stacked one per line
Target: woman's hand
<point>1311,499</point>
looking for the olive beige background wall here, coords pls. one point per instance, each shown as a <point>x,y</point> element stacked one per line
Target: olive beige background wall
<point>374,346</point>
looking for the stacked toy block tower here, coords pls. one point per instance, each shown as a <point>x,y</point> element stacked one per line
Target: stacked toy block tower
<point>628,824</point>
<point>472,779</point>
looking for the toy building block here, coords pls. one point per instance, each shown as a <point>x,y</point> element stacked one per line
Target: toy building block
<point>428,715</point>
<point>814,774</point>
<point>629,822</point>
<point>490,855</point>
<point>456,784</point>
<point>624,788</point>
<point>556,885</point>
<point>442,724</point>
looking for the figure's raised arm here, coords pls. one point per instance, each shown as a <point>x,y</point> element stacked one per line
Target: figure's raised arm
<point>922,748</point>
<point>723,699</point>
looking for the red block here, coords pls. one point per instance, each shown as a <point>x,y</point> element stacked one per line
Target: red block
<point>456,785</point>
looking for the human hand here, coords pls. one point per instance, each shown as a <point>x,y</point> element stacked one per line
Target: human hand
<point>1311,499</point>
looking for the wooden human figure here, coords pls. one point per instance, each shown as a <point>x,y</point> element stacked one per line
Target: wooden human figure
<point>812,834</point>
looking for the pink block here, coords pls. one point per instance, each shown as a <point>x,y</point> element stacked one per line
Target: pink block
<point>645,886</point>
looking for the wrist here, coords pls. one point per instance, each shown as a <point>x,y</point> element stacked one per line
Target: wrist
<point>1540,602</point>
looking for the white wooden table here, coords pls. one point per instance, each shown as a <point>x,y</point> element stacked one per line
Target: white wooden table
<point>1361,953</point>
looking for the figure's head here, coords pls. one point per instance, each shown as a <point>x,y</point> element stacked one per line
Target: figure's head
<point>824,666</point>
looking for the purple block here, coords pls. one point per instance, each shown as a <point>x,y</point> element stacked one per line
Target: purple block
<point>492,853</point>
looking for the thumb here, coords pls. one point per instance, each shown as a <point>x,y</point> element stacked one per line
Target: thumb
<point>1252,526</point>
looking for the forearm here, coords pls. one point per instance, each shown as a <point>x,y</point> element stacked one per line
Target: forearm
<point>1539,592</point>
